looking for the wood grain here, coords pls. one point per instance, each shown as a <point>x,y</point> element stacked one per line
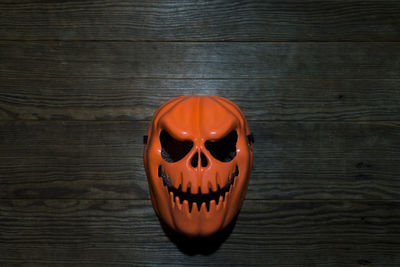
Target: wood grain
<point>293,160</point>
<point>223,20</point>
<point>122,60</point>
<point>272,179</point>
<point>124,232</point>
<point>75,98</point>
<point>318,81</point>
<point>79,139</point>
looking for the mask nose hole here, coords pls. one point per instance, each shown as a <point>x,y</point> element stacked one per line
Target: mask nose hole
<point>195,160</point>
<point>204,161</point>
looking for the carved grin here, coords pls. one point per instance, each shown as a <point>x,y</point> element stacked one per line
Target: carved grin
<point>199,198</point>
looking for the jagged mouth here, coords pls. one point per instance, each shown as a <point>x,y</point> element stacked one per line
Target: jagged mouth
<point>199,198</point>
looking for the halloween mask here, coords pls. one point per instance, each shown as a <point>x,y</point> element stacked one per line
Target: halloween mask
<point>198,158</point>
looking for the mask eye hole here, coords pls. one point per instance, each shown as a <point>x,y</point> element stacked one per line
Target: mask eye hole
<point>173,150</point>
<point>224,149</point>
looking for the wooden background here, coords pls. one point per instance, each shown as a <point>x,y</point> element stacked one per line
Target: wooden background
<point>319,82</point>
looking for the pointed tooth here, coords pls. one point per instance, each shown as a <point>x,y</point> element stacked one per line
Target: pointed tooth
<point>224,181</point>
<point>192,206</point>
<point>193,190</point>
<point>204,208</point>
<point>185,183</point>
<point>209,186</point>
<point>195,211</point>
<point>219,205</point>
<point>212,184</point>
<point>226,199</point>
<point>213,206</point>
<point>235,182</point>
<point>218,180</point>
<point>178,203</point>
<point>171,196</point>
<point>186,186</point>
<point>185,207</point>
<point>204,190</point>
<point>176,182</point>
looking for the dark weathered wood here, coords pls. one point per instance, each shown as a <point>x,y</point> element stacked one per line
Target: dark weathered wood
<point>320,178</point>
<point>293,160</point>
<point>318,80</point>
<point>117,60</point>
<point>124,178</point>
<point>80,177</point>
<point>122,232</point>
<point>273,20</point>
<point>73,98</point>
<point>44,139</point>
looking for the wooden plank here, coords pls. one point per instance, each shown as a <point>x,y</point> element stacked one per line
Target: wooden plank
<point>81,177</point>
<point>220,60</point>
<point>272,179</point>
<point>43,139</point>
<point>274,139</point>
<point>320,178</point>
<point>273,20</point>
<point>122,232</point>
<point>73,98</point>
<point>293,160</point>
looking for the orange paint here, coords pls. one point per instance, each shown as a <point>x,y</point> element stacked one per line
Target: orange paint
<point>198,160</point>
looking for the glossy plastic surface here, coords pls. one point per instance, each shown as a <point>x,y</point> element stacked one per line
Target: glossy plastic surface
<point>198,194</point>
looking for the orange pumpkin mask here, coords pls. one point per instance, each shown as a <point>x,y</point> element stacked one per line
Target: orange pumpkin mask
<point>198,158</point>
